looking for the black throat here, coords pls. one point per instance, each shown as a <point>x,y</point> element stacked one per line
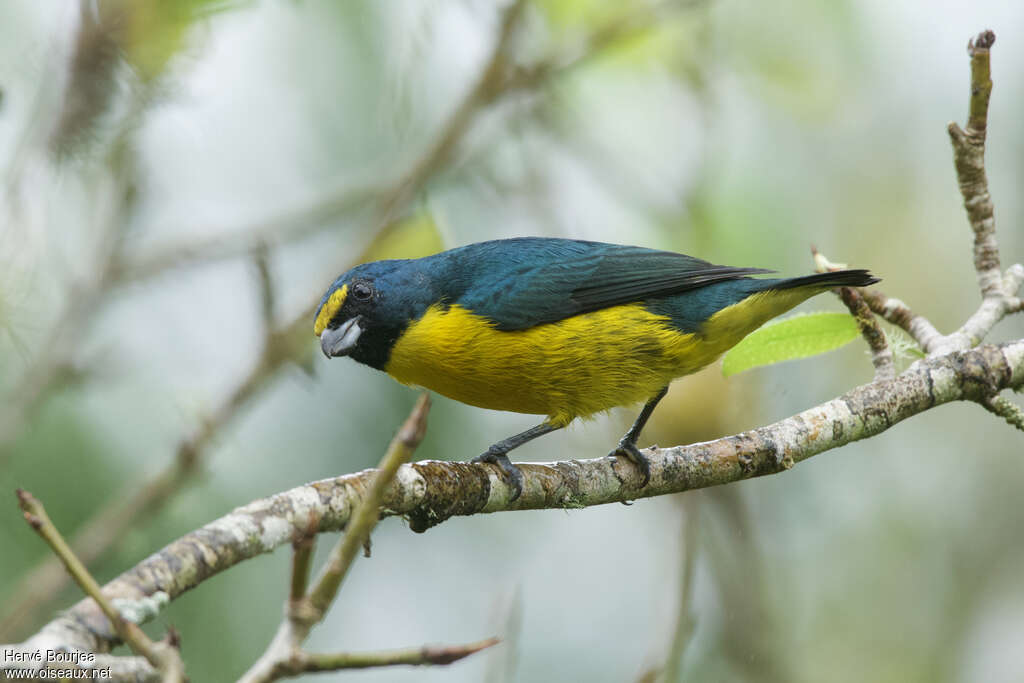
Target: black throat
<point>375,344</point>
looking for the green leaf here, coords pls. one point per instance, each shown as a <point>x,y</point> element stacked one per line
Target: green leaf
<point>798,336</point>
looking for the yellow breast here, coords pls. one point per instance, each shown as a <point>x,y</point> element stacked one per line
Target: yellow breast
<point>574,367</point>
<point>570,368</point>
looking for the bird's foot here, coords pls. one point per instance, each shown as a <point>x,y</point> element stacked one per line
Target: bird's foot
<point>628,449</point>
<point>512,474</point>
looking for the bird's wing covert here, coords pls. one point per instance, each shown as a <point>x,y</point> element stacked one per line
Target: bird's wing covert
<point>547,282</point>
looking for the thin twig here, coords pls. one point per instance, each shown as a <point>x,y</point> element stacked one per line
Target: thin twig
<point>999,290</point>
<point>899,314</point>
<point>981,81</point>
<point>97,667</point>
<point>1006,409</point>
<point>284,655</point>
<point>110,523</point>
<point>881,354</point>
<point>307,662</point>
<point>969,158</point>
<point>268,297</point>
<point>164,656</point>
<point>302,560</point>
<point>368,513</point>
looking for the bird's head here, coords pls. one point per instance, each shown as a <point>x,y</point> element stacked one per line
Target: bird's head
<point>365,310</point>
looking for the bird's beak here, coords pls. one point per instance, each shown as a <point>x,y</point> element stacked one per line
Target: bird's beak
<point>340,340</point>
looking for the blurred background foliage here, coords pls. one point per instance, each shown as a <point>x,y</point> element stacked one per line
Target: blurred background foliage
<point>182,179</point>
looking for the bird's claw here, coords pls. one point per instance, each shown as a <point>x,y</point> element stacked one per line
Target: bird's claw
<point>629,450</point>
<point>512,474</point>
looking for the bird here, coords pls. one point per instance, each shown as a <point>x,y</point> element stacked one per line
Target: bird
<point>555,327</point>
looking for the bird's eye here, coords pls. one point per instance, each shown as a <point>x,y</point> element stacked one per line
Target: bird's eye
<point>362,291</point>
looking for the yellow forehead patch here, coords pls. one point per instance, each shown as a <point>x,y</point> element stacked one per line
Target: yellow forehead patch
<point>329,309</point>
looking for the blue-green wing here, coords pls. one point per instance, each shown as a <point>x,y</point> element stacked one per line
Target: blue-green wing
<point>524,282</point>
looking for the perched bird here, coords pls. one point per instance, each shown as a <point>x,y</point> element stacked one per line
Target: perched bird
<point>555,327</point>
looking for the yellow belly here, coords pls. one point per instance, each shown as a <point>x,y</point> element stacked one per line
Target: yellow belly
<point>574,367</point>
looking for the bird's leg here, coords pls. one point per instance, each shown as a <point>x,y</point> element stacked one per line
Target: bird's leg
<point>497,454</point>
<point>627,444</point>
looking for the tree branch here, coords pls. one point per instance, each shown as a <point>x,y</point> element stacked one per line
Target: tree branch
<point>1006,409</point>
<point>22,661</point>
<point>999,290</point>
<point>881,354</point>
<point>302,559</point>
<point>365,518</point>
<point>428,493</point>
<point>308,662</point>
<point>899,314</point>
<point>969,158</point>
<point>285,656</point>
<point>163,656</point>
<point>109,524</point>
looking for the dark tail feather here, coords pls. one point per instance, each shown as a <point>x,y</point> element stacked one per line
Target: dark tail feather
<point>838,278</point>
